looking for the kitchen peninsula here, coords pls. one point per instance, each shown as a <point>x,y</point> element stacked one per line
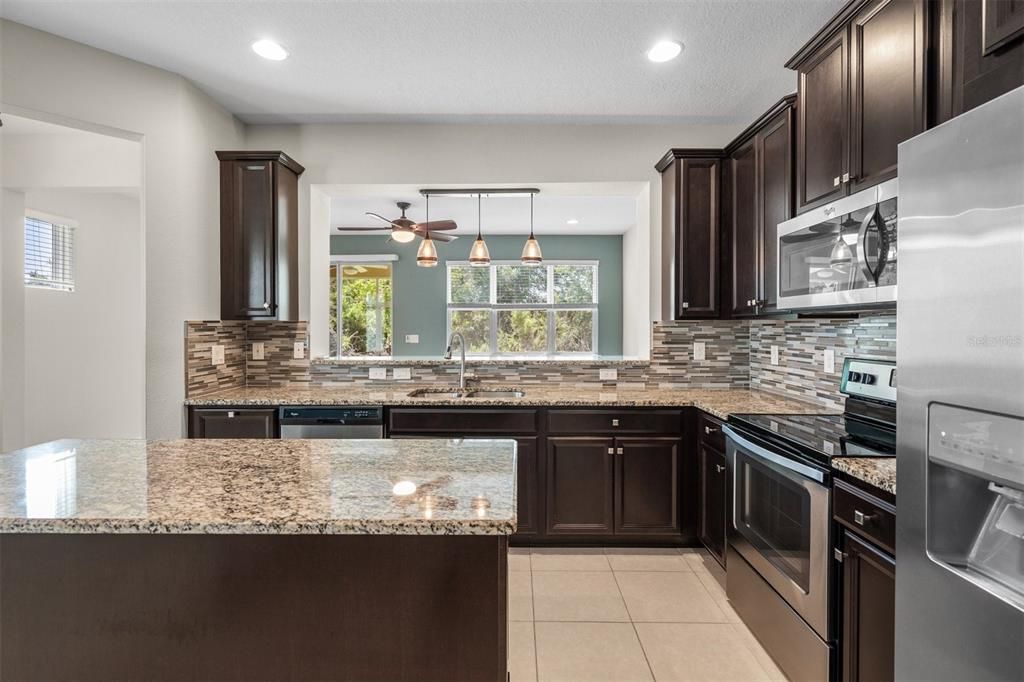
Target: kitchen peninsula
<point>256,559</point>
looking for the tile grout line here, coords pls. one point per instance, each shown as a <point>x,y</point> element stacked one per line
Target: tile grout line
<point>631,623</point>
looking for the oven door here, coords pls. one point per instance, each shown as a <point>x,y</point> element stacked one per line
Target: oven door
<point>780,523</point>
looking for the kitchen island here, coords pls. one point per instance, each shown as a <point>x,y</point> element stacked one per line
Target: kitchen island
<point>256,559</point>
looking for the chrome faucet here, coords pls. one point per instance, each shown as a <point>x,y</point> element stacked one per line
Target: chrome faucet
<point>456,336</point>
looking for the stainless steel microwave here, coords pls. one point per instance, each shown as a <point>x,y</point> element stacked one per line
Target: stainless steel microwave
<point>841,255</point>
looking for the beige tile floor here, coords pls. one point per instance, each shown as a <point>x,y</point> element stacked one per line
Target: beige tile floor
<point>626,614</point>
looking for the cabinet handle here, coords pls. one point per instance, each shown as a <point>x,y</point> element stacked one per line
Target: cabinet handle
<point>611,451</point>
<point>838,554</point>
<point>846,177</point>
<point>835,181</point>
<point>266,305</point>
<point>615,422</point>
<point>231,415</point>
<point>685,305</point>
<point>719,468</point>
<point>860,518</point>
<point>618,451</point>
<point>708,430</point>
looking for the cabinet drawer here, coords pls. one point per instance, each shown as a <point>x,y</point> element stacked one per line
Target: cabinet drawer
<point>709,432</point>
<point>865,514</point>
<point>462,421</point>
<point>615,421</point>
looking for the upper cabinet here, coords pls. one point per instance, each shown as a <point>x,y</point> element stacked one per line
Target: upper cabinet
<point>861,91</point>
<point>259,235</point>
<point>690,191</point>
<point>760,196</point>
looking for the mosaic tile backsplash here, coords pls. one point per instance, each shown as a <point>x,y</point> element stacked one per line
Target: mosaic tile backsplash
<point>737,354</point>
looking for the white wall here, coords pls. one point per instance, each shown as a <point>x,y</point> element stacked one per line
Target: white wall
<point>75,160</point>
<point>12,300</point>
<point>85,350</point>
<point>50,78</point>
<point>448,154</point>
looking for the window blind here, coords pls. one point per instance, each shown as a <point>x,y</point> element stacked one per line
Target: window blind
<point>49,255</point>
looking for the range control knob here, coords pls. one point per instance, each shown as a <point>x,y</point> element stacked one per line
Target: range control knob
<point>854,377</point>
<point>869,379</point>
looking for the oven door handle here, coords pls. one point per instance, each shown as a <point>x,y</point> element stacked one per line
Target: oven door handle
<point>775,459</point>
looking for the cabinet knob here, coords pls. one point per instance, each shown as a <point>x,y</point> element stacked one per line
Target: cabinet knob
<point>266,305</point>
<point>618,451</point>
<point>611,451</point>
<point>860,518</point>
<point>615,422</point>
<point>846,177</point>
<point>708,430</point>
<point>685,305</point>
<point>231,415</point>
<point>719,468</point>
<point>838,554</point>
<point>835,181</point>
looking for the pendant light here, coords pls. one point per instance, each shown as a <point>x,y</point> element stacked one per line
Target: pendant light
<point>479,256</point>
<point>426,257</point>
<point>531,250</point>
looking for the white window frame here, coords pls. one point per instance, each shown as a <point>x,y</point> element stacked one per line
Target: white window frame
<point>550,307</point>
<point>56,221</point>
<point>338,262</point>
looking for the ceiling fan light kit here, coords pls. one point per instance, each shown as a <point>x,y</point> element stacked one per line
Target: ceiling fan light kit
<point>479,256</point>
<point>531,249</point>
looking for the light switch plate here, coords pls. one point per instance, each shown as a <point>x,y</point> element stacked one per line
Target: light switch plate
<point>402,373</point>
<point>608,374</point>
<point>379,373</point>
<point>257,350</point>
<point>698,350</point>
<point>830,361</point>
<point>412,338</point>
<point>299,350</point>
<point>775,355</point>
<point>216,354</point>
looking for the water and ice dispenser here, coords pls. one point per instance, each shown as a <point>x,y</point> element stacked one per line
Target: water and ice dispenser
<point>975,522</point>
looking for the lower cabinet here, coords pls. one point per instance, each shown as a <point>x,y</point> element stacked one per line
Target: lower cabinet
<point>713,510</point>
<point>528,488</point>
<point>232,423</point>
<point>646,486</point>
<point>867,637</point>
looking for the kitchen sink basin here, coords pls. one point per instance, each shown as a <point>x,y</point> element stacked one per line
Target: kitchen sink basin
<point>469,393</point>
<point>436,393</point>
<point>495,394</point>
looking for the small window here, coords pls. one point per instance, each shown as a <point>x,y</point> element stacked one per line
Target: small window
<point>49,254</point>
<point>512,309</point>
<point>360,312</point>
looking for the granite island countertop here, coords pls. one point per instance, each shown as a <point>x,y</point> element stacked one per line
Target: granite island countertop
<point>364,487</point>
<point>719,402</point>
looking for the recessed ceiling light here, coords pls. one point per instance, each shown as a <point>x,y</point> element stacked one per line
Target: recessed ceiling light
<point>572,221</point>
<point>664,51</point>
<point>268,49</point>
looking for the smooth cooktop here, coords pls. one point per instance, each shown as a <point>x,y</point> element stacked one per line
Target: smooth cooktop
<point>823,436</point>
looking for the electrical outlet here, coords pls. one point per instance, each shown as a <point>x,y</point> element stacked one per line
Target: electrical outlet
<point>216,355</point>
<point>829,357</point>
<point>257,350</point>
<point>775,355</point>
<point>299,350</point>
<point>401,373</point>
<point>379,373</point>
<point>698,350</point>
<point>830,448</point>
<point>412,338</point>
<point>608,374</point>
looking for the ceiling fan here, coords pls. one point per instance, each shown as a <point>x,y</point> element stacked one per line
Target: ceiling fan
<point>405,230</point>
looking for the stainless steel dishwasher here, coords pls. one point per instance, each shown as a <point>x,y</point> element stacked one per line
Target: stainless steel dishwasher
<point>332,422</point>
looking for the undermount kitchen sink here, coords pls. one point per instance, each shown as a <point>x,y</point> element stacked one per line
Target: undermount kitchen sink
<point>469,393</point>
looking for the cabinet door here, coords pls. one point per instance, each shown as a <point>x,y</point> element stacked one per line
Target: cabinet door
<point>713,480</point>
<point>248,255</point>
<point>887,56</point>
<point>823,124</point>
<point>528,484</point>
<point>775,200</point>
<point>580,492</point>
<point>744,233</point>
<point>210,423</point>
<point>646,486</point>
<point>869,612</point>
<point>697,238</point>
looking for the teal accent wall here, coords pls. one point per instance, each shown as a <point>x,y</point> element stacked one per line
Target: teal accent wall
<point>419,302</point>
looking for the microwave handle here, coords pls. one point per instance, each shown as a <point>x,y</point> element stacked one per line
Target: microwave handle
<point>875,215</point>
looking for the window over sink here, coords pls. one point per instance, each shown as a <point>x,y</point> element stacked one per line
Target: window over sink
<point>510,309</point>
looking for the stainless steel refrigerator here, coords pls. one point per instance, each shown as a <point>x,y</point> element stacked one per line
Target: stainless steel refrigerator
<point>960,453</point>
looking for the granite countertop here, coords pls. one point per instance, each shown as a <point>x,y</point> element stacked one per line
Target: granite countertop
<point>877,471</point>
<point>719,402</point>
<point>261,487</point>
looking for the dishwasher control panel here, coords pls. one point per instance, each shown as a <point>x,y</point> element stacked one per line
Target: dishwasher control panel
<point>332,415</point>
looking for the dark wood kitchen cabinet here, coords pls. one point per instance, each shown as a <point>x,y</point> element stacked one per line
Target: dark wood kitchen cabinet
<point>646,486</point>
<point>980,50</point>
<point>580,486</point>
<point>861,89</point>
<point>713,482</point>
<point>232,423</point>
<point>259,242</point>
<point>760,196</point>
<point>691,186</point>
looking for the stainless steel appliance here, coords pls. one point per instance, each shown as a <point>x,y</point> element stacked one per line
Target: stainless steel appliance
<point>960,519</point>
<point>842,255</point>
<point>779,564</point>
<point>332,422</point>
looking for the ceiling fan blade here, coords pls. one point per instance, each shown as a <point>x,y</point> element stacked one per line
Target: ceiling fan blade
<point>437,225</point>
<point>364,229</point>
<point>380,217</point>
<point>443,237</point>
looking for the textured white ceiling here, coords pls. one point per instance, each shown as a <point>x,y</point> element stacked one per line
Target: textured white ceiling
<point>455,61</point>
